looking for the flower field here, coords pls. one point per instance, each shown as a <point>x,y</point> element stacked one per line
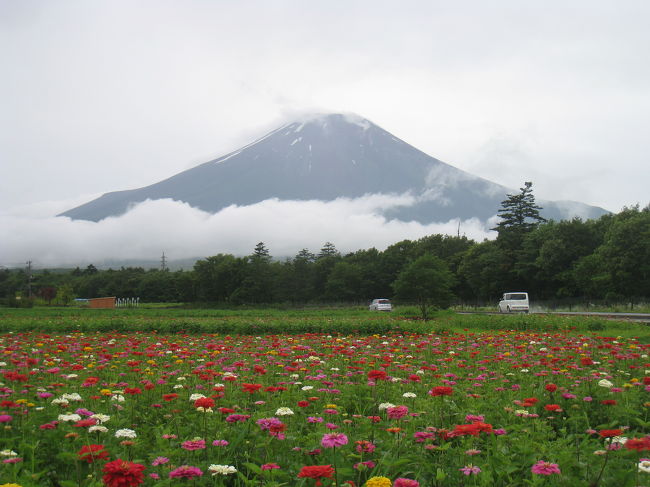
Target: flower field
<point>403,409</point>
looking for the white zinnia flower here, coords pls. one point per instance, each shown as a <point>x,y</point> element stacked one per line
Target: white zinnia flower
<point>284,412</point>
<point>117,398</point>
<point>386,405</point>
<point>306,388</point>
<point>100,418</point>
<point>98,428</point>
<point>605,383</point>
<point>69,417</point>
<point>196,396</point>
<point>221,469</point>
<point>409,395</point>
<point>60,400</point>
<point>125,433</point>
<point>8,453</point>
<point>644,466</point>
<point>72,397</point>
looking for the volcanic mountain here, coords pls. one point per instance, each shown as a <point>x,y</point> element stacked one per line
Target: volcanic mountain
<point>326,157</point>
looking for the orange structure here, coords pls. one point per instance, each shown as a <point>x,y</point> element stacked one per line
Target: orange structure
<point>102,302</point>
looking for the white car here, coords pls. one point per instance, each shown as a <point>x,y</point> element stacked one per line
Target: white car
<point>381,304</point>
<point>514,302</point>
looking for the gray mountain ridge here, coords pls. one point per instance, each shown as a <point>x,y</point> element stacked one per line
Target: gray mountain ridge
<point>326,157</point>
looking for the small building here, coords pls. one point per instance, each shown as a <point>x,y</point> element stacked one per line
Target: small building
<point>102,302</point>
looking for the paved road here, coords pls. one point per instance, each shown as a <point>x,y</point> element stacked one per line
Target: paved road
<point>640,317</point>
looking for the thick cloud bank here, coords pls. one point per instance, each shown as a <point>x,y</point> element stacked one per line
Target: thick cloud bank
<point>181,231</point>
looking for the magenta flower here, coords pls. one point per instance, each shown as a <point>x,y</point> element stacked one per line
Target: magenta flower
<point>331,440</point>
<point>159,461</point>
<point>397,412</point>
<point>185,472</point>
<point>220,443</point>
<point>545,468</point>
<point>193,445</point>
<point>5,418</point>
<point>270,466</point>
<point>403,482</point>
<point>235,418</point>
<point>470,469</point>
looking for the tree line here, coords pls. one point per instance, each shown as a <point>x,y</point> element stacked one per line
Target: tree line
<point>602,259</point>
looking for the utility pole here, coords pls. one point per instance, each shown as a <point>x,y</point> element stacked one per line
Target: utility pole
<point>163,262</point>
<point>29,279</point>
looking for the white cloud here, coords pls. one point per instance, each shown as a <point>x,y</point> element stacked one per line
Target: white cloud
<point>182,231</point>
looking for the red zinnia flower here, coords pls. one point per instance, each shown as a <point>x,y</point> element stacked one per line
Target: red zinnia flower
<point>441,391</point>
<point>316,472</point>
<point>609,402</point>
<point>121,473</point>
<point>204,402</point>
<point>473,429</point>
<point>85,422</point>
<point>92,453</point>
<point>303,404</point>
<point>169,397</point>
<point>530,401</point>
<point>377,375</point>
<point>132,390</point>
<point>610,433</point>
<point>251,388</point>
<point>638,444</point>
<point>553,407</point>
<point>551,387</point>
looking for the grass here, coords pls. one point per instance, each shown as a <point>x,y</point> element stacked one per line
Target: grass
<point>318,320</point>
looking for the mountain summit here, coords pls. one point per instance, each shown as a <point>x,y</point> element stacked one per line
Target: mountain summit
<point>324,157</point>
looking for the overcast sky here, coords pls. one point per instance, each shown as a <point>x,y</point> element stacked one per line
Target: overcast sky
<point>98,96</point>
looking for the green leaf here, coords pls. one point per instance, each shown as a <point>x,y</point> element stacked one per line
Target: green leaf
<point>253,468</point>
<point>440,474</point>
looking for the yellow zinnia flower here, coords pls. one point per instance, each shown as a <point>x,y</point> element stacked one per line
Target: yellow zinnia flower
<point>379,482</point>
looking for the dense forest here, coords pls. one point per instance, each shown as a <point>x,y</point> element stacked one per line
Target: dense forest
<point>603,260</point>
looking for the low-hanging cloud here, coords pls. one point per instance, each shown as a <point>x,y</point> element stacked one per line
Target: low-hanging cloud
<point>182,231</point>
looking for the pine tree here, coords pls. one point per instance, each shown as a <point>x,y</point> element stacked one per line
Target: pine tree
<point>519,212</point>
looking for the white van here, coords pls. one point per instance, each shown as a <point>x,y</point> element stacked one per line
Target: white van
<point>514,302</point>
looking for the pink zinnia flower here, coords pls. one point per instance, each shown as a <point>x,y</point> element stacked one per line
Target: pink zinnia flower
<point>473,418</point>
<point>234,418</point>
<point>5,418</point>
<point>470,469</point>
<point>193,445</point>
<point>331,440</point>
<point>545,468</point>
<point>220,443</point>
<point>397,412</point>
<point>185,472</point>
<point>159,461</point>
<point>270,466</point>
<point>402,482</point>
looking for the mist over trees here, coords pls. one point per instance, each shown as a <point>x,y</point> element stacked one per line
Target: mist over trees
<point>607,259</point>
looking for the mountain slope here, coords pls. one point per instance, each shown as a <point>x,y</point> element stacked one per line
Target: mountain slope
<point>324,158</point>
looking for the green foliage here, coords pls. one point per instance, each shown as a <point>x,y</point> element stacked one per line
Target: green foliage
<point>426,281</point>
<point>604,262</point>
